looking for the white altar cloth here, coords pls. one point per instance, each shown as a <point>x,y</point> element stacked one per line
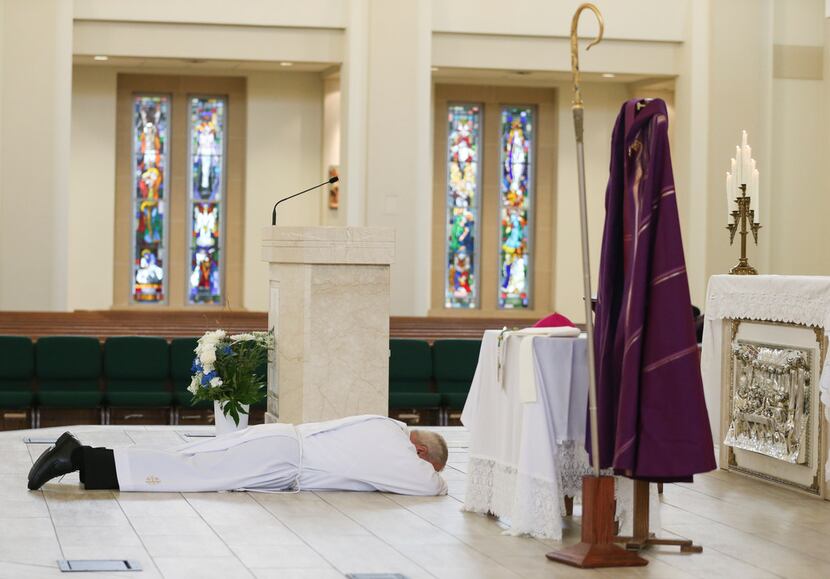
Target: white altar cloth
<point>525,457</point>
<point>795,299</point>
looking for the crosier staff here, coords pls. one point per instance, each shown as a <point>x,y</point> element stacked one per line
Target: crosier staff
<point>596,548</point>
<point>579,114</point>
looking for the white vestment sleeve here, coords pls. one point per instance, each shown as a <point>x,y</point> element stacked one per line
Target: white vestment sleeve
<point>372,455</point>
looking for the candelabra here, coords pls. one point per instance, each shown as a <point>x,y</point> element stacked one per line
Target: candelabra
<point>743,218</point>
<point>743,178</point>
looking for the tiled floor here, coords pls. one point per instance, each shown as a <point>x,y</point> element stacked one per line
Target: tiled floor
<point>748,529</point>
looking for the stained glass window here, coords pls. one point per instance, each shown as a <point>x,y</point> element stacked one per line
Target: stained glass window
<point>463,186</point>
<point>150,161</point>
<point>516,197</point>
<point>207,187</point>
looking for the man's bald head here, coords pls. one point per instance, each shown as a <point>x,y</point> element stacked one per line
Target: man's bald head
<point>431,447</point>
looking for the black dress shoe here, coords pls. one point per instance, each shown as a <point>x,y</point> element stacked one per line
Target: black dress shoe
<point>56,461</point>
<point>44,455</point>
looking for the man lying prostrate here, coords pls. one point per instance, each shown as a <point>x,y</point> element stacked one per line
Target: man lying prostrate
<point>359,453</point>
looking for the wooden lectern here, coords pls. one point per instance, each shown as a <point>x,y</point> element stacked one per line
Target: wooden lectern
<point>329,310</point>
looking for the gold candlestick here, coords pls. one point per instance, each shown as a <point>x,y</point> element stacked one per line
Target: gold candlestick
<point>740,217</point>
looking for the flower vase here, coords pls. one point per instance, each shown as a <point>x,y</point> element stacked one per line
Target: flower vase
<point>226,424</point>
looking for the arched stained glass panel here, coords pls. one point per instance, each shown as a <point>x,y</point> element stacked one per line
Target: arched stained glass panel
<point>463,187</point>
<point>517,142</point>
<point>150,161</point>
<point>207,191</point>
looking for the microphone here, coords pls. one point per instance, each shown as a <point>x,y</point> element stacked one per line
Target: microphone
<point>331,181</point>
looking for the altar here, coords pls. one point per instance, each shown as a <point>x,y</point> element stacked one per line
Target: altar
<point>765,373</point>
<point>526,448</point>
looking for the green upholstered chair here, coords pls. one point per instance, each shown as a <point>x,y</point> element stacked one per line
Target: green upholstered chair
<point>17,367</point>
<point>454,365</point>
<point>68,370</point>
<point>181,360</point>
<point>410,374</point>
<point>136,370</point>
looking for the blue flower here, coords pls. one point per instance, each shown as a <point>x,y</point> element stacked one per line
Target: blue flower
<point>196,367</point>
<point>227,350</point>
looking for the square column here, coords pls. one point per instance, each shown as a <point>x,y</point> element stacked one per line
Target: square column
<point>35,113</point>
<point>329,310</point>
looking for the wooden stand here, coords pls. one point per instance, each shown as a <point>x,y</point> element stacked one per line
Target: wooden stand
<point>642,538</point>
<point>597,548</point>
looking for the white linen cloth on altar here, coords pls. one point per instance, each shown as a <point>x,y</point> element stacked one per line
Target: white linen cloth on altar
<point>359,453</point>
<point>528,386</point>
<point>525,457</point>
<point>794,299</point>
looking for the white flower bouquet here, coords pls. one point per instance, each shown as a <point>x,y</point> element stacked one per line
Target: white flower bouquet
<point>225,370</point>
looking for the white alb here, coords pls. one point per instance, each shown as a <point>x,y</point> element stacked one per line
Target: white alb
<point>359,453</point>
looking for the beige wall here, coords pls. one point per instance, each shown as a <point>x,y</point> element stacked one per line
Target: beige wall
<point>602,104</point>
<point>721,52</point>
<point>653,20</point>
<point>331,148</point>
<point>287,13</point>
<point>399,160</point>
<point>35,89</point>
<point>283,149</point>
<point>797,202</point>
<point>689,147</point>
<point>737,86</point>
<point>2,138</point>
<point>92,189</point>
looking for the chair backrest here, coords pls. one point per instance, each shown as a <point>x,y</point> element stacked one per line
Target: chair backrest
<point>17,358</point>
<point>454,364</point>
<point>410,365</point>
<point>140,359</point>
<point>181,360</point>
<point>67,360</point>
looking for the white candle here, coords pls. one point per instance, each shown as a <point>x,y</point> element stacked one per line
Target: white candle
<point>736,168</point>
<point>750,191</point>
<point>746,167</point>
<point>756,195</point>
<point>743,139</point>
<point>730,191</point>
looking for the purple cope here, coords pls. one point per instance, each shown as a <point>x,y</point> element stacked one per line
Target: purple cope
<point>653,423</point>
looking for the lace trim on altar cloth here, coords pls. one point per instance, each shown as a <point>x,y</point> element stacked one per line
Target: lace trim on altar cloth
<point>535,505</point>
<point>572,463</point>
<point>773,306</point>
<point>535,510</point>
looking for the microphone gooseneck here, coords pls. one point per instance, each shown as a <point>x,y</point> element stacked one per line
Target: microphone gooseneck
<point>331,181</point>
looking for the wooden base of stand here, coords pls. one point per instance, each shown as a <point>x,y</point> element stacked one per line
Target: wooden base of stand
<point>642,538</point>
<point>597,548</point>
<point>569,506</point>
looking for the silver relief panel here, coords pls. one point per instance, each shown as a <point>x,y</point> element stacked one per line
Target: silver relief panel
<point>771,401</point>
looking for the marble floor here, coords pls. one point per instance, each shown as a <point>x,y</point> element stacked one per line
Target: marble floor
<point>747,529</point>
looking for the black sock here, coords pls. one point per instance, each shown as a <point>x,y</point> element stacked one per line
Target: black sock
<point>77,460</point>
<point>97,467</point>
